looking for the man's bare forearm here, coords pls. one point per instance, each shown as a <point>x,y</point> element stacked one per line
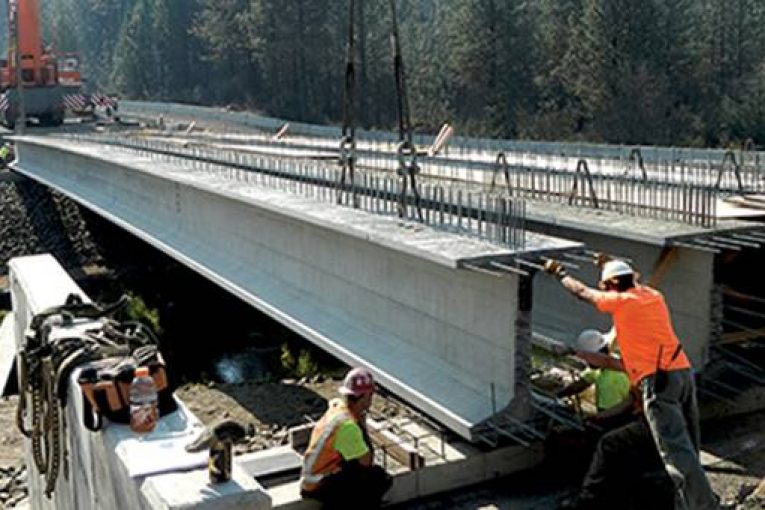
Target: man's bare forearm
<point>579,289</point>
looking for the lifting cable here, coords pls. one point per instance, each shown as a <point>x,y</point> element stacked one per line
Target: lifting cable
<point>348,138</point>
<point>407,153</point>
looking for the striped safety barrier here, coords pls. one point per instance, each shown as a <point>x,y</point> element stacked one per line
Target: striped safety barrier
<point>76,102</point>
<point>104,101</point>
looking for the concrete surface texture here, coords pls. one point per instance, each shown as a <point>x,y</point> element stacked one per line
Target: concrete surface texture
<point>95,475</point>
<point>370,289</point>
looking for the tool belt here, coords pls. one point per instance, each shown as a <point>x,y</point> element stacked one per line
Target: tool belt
<point>105,386</point>
<point>661,377</point>
<point>62,339</point>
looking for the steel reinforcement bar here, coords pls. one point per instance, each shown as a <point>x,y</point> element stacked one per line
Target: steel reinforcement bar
<point>493,217</point>
<point>634,195</point>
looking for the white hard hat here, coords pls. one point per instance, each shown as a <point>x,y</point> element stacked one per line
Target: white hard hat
<point>614,268</point>
<point>357,382</point>
<point>591,340</point>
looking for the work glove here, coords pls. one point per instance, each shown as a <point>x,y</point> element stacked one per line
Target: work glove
<point>555,268</point>
<point>600,259</point>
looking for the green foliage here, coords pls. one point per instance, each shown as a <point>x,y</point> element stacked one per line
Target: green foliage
<point>138,310</point>
<point>305,365</point>
<point>287,359</point>
<point>650,71</point>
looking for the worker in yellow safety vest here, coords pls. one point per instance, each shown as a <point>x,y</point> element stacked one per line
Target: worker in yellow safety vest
<point>653,359</point>
<point>338,467</point>
<point>612,387</point>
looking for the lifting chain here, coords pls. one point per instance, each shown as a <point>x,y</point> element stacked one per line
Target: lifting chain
<point>46,365</point>
<point>348,138</point>
<point>407,153</point>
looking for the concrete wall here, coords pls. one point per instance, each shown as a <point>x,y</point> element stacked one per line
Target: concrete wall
<point>436,335</point>
<point>96,470</point>
<point>687,287</point>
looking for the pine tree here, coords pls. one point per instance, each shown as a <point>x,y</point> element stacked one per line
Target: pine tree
<point>134,62</point>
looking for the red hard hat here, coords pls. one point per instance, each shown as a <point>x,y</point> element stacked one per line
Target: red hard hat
<point>357,382</point>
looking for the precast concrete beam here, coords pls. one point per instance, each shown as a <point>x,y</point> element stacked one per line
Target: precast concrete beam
<point>371,289</point>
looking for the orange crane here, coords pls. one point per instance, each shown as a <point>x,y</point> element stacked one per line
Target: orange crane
<point>45,84</point>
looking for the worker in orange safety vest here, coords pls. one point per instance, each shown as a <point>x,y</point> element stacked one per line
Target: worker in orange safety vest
<point>338,467</point>
<point>656,365</point>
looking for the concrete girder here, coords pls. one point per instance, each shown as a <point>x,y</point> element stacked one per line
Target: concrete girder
<point>369,289</point>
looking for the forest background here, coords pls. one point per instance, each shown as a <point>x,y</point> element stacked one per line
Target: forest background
<point>670,72</point>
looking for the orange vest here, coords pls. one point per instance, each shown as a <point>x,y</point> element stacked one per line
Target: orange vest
<point>321,459</point>
<point>643,331</point>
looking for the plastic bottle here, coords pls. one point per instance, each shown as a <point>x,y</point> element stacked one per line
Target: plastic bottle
<point>143,402</point>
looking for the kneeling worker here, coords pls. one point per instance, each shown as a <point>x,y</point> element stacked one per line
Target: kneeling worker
<point>655,362</point>
<point>612,387</point>
<point>338,468</point>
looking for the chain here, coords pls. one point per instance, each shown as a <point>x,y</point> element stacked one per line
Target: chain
<point>348,140</point>
<point>407,170</point>
<point>407,153</point>
<point>53,441</point>
<point>44,370</point>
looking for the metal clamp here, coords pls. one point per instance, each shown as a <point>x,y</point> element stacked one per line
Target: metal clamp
<point>637,155</point>
<point>407,159</point>
<point>347,149</point>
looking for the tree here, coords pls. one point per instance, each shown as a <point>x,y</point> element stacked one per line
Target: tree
<point>491,64</point>
<point>135,69</point>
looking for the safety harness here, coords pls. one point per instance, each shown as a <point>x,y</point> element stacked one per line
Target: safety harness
<point>58,341</point>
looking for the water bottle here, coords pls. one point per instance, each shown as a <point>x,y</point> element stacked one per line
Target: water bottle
<point>143,402</point>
